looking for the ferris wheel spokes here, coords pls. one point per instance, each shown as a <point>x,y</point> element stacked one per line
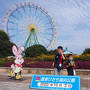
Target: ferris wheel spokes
<point>25,17</point>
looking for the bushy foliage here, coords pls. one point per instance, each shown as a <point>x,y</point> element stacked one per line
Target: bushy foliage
<point>6,60</point>
<point>82,57</point>
<point>52,52</point>
<point>35,50</point>
<point>3,36</point>
<point>45,57</point>
<point>86,51</point>
<point>46,61</point>
<point>5,45</point>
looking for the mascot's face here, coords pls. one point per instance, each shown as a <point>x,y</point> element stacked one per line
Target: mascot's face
<point>19,60</point>
<point>18,54</point>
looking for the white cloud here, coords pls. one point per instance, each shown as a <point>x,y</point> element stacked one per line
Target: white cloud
<point>68,27</point>
<point>68,15</point>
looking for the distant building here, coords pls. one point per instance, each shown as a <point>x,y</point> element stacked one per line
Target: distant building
<point>67,52</point>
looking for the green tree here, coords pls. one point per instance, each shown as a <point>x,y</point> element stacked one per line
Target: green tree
<point>52,52</point>
<point>86,51</point>
<point>3,36</point>
<point>5,45</point>
<point>35,50</point>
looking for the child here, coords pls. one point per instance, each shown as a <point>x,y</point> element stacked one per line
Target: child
<point>58,63</point>
<point>70,65</point>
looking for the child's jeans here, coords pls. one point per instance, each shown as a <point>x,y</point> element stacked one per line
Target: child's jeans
<point>58,72</point>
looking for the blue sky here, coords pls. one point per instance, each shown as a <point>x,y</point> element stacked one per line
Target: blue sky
<point>72,19</point>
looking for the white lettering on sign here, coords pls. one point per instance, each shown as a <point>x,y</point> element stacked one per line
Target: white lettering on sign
<point>61,85</point>
<point>72,80</point>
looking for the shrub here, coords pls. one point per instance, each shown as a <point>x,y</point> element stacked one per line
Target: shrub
<point>6,60</point>
<point>52,52</point>
<point>25,58</point>
<point>35,50</point>
<point>5,45</point>
<point>44,57</point>
<point>82,57</point>
<point>3,36</point>
<point>86,51</point>
<point>2,61</point>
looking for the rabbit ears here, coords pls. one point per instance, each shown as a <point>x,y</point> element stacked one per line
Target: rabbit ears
<point>18,51</point>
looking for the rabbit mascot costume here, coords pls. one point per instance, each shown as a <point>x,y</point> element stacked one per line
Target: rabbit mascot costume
<point>17,67</point>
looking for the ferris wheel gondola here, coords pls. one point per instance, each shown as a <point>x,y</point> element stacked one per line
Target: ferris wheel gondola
<point>28,24</point>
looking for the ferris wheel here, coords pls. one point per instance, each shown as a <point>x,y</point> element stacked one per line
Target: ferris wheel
<point>28,24</point>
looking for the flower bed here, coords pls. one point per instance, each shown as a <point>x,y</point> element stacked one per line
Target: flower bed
<point>40,64</point>
<point>31,63</point>
<point>82,64</point>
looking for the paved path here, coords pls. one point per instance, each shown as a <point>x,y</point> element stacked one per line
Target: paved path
<point>6,84</point>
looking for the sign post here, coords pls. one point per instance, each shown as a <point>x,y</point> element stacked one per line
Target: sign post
<point>56,82</point>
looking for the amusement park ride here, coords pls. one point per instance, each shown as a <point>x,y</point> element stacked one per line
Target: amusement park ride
<point>28,24</point>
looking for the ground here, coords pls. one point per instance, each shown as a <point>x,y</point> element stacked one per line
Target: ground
<point>6,84</point>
